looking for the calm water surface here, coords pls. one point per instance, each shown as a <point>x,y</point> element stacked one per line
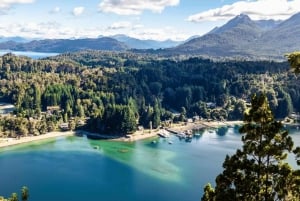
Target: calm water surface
<point>33,55</point>
<point>71,169</point>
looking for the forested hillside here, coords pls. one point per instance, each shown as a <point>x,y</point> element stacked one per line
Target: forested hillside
<point>115,92</point>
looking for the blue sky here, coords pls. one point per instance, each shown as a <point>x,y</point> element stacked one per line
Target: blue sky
<point>144,19</point>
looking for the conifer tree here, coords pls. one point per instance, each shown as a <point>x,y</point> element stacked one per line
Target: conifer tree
<point>156,115</point>
<point>258,171</point>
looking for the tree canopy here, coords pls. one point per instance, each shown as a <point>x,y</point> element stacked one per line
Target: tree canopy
<point>294,60</point>
<point>259,170</point>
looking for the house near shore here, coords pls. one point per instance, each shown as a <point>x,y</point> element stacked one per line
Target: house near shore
<point>6,108</point>
<point>52,109</point>
<point>196,118</point>
<point>211,105</point>
<point>295,117</point>
<point>64,126</point>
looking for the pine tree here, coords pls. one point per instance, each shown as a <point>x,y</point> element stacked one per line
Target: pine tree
<point>258,171</point>
<point>128,120</point>
<point>156,115</point>
<point>24,193</point>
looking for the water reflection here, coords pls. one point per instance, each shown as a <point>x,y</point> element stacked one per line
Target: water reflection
<point>221,131</point>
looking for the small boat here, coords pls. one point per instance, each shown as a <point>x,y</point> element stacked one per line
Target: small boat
<point>181,135</point>
<point>170,142</point>
<point>96,147</point>
<point>153,142</point>
<point>164,134</point>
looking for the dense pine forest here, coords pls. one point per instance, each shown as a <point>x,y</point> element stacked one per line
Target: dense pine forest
<point>113,93</point>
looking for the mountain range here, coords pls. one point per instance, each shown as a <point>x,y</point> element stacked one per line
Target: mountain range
<point>66,45</point>
<point>243,37</point>
<point>112,43</point>
<point>135,43</point>
<point>240,37</point>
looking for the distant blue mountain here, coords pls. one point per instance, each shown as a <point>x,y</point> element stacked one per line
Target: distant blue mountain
<point>135,43</point>
<point>66,45</point>
<point>16,39</point>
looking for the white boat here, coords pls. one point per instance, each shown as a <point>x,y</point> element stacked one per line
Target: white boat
<point>164,134</point>
<point>181,135</point>
<point>170,142</point>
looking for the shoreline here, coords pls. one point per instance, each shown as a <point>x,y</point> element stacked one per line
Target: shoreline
<point>179,127</point>
<point>138,135</point>
<point>7,142</point>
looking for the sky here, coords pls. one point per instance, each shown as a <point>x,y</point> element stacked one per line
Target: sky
<point>143,19</point>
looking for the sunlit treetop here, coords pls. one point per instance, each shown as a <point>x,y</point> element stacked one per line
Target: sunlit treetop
<point>294,60</point>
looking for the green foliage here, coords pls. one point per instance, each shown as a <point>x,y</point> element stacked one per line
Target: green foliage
<point>24,193</point>
<point>209,192</point>
<point>258,171</point>
<point>294,60</point>
<point>88,84</point>
<point>14,196</point>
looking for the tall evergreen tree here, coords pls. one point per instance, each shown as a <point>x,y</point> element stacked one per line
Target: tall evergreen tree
<point>258,171</point>
<point>128,120</point>
<point>156,115</point>
<point>25,193</point>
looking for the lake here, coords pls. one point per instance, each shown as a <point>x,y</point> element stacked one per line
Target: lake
<point>76,168</point>
<point>33,55</point>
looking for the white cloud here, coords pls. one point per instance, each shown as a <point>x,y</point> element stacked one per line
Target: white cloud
<point>135,7</point>
<point>159,34</point>
<point>48,30</point>
<point>54,30</point>
<point>55,10</point>
<point>78,11</point>
<point>138,26</point>
<point>120,25</point>
<point>5,4</point>
<point>256,9</point>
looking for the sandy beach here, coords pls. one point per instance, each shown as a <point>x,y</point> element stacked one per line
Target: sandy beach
<point>138,135</point>
<point>5,142</point>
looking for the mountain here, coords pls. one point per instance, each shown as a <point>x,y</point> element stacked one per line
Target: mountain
<point>282,39</point>
<point>135,43</point>
<point>66,45</point>
<point>191,38</point>
<point>242,22</point>
<point>16,39</point>
<point>268,24</point>
<point>224,41</point>
<point>240,37</point>
<point>243,37</point>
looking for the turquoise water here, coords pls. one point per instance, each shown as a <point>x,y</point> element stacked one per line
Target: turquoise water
<point>76,168</point>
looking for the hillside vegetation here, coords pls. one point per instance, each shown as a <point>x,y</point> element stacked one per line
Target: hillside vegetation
<point>115,92</point>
